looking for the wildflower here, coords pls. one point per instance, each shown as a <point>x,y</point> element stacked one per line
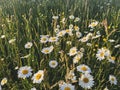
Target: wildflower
<point>61,33</point>
<point>77,58</point>
<point>111,59</point>
<point>72,51</point>
<point>53,64</point>
<point>83,68</point>
<point>70,26</point>
<point>3,81</point>
<point>28,45</point>
<point>93,24</point>
<point>89,35</point>
<point>78,34</point>
<point>67,87</point>
<point>89,44</point>
<point>12,41</point>
<point>69,42</point>
<point>71,76</point>
<point>117,46</point>
<point>111,40</point>
<point>82,49</point>
<point>71,17</point>
<point>44,38</point>
<point>77,19</point>
<point>16,67</point>
<point>100,54</point>
<point>69,31</point>
<point>38,77</point>
<point>97,36</point>
<point>2,36</point>
<point>86,81</point>
<point>55,17</point>
<point>105,88</point>
<point>33,88</point>
<point>24,72</point>
<point>84,39</point>
<point>53,39</point>
<point>112,79</point>
<point>76,28</point>
<point>47,50</point>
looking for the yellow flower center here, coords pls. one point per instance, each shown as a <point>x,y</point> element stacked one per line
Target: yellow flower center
<point>73,51</point>
<point>46,51</point>
<point>43,39</point>
<point>67,88</point>
<point>67,30</point>
<point>53,63</point>
<point>102,54</point>
<point>28,45</point>
<point>76,27</point>
<point>93,24</point>
<point>24,72</point>
<point>84,68</point>
<point>85,80</point>
<point>113,58</point>
<point>53,38</point>
<point>38,76</point>
<point>112,79</point>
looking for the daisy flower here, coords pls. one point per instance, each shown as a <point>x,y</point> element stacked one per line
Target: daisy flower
<point>28,45</point>
<point>3,81</point>
<point>24,72</point>
<point>112,79</point>
<point>111,59</point>
<point>33,88</point>
<point>53,39</point>
<point>72,51</point>
<point>107,52</point>
<point>117,46</point>
<point>43,38</point>
<point>53,63</point>
<point>86,81</point>
<point>71,17</point>
<point>12,41</point>
<point>76,28</point>
<point>111,40</point>
<point>38,77</point>
<point>84,39</point>
<point>100,54</point>
<point>2,36</point>
<point>77,58</point>
<point>83,68</point>
<point>105,88</point>
<point>71,76</point>
<point>69,31</point>
<point>47,50</point>
<point>70,26</point>
<point>55,17</point>
<point>77,19</point>
<point>93,24</point>
<point>89,35</point>
<point>68,42</point>
<point>78,34</point>
<point>66,86</point>
<point>61,33</point>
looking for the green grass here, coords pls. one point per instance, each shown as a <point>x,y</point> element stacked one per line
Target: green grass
<point>26,20</point>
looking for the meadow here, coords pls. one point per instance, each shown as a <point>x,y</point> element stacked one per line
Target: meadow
<point>59,44</point>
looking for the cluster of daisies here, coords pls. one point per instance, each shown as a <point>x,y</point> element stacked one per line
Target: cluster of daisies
<point>104,53</point>
<point>85,80</point>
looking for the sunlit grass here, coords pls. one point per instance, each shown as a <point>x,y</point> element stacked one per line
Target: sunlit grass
<point>69,32</point>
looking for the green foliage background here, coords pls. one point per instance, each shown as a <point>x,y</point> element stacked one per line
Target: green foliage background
<point>26,20</point>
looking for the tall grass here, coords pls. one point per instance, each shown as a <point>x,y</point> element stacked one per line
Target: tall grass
<point>26,20</point>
